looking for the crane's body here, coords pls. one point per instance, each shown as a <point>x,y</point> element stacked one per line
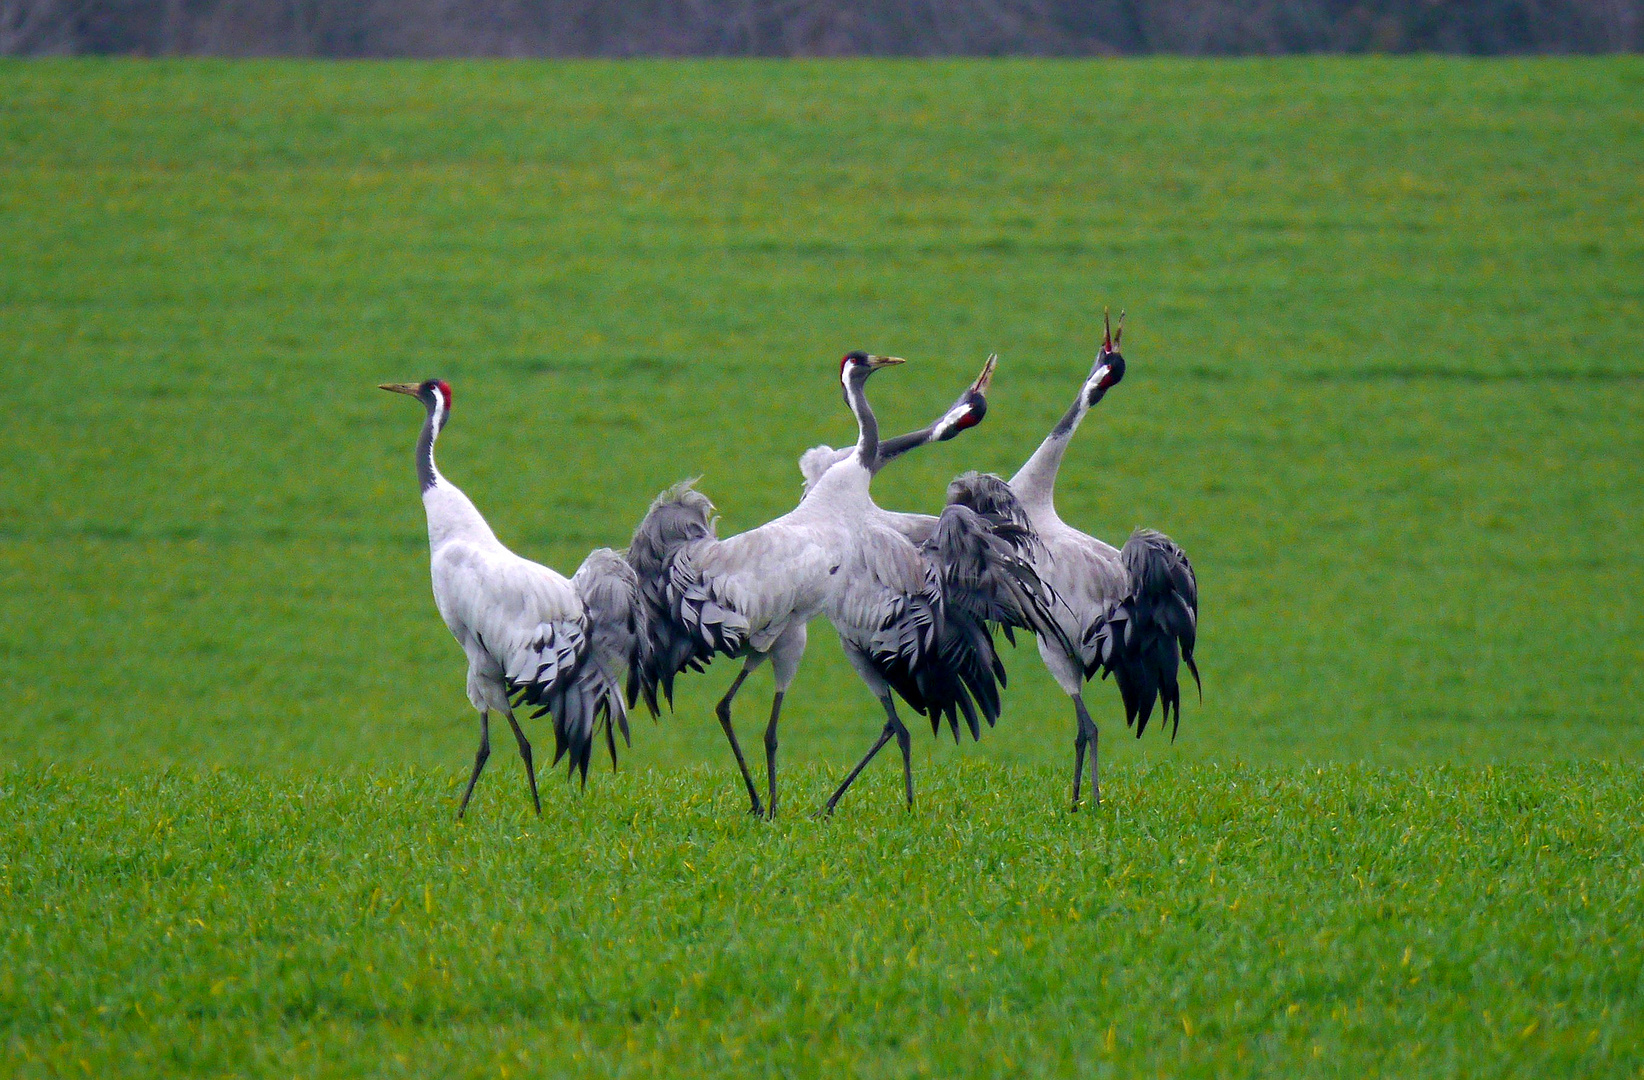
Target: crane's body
<point>525,628</point>
<point>1131,612</point>
<point>838,554</point>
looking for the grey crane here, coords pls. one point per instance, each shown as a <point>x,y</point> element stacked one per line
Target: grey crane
<point>531,635</point>
<point>1129,613</point>
<point>751,595</point>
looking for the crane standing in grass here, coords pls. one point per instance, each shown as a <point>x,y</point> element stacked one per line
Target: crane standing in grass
<point>531,635</point>
<point>1126,613</point>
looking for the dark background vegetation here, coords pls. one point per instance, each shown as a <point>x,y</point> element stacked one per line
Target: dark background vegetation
<point>364,28</point>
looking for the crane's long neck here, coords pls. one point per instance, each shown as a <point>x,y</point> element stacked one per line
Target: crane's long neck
<point>428,474</point>
<point>893,448</point>
<point>867,427</point>
<point>451,514</point>
<point>842,489</point>
<point>1035,482</point>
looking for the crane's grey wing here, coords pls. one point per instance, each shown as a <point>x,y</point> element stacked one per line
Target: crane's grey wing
<point>1087,577</point>
<point>705,597</point>
<point>748,589</point>
<point>492,593</point>
<point>609,590</point>
<point>917,528</point>
<point>990,496</point>
<point>1139,635</point>
<point>987,570</point>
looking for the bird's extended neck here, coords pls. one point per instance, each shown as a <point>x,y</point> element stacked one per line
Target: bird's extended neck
<point>867,438</point>
<point>1035,482</point>
<point>451,514</point>
<point>428,474</point>
<point>893,448</point>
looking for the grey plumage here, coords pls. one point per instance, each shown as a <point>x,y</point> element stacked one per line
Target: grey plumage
<point>894,616</point>
<point>751,595</point>
<point>916,618</point>
<point>989,496</point>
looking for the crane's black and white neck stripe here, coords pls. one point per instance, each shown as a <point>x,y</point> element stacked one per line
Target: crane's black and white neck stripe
<point>435,394</point>
<point>854,370</point>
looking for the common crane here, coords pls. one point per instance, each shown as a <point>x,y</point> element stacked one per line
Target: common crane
<point>530,635</point>
<point>1128,613</point>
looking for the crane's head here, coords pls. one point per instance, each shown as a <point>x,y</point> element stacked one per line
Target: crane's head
<point>1110,363</point>
<point>972,405</point>
<point>859,365</point>
<point>435,394</point>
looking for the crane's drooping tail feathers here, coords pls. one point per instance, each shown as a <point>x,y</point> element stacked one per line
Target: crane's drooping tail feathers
<point>1137,637</point>
<point>939,653</point>
<point>939,659</point>
<point>557,673</point>
<point>609,591</point>
<point>684,626</point>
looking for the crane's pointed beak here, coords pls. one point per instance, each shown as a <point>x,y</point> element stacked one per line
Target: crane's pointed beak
<point>414,389</point>
<point>985,380</point>
<point>877,362</point>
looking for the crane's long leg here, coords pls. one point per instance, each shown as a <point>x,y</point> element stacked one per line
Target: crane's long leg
<point>833,800</point>
<point>724,711</point>
<point>525,756</point>
<point>904,742</point>
<point>479,760</point>
<point>1087,734</point>
<point>786,652</point>
<point>770,753</point>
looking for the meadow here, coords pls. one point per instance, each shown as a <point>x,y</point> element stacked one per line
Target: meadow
<point>1385,386</point>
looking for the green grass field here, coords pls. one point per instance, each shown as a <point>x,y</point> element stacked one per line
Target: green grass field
<point>1385,386</point>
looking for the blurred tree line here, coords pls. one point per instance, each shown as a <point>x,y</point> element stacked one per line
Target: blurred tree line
<point>342,28</point>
